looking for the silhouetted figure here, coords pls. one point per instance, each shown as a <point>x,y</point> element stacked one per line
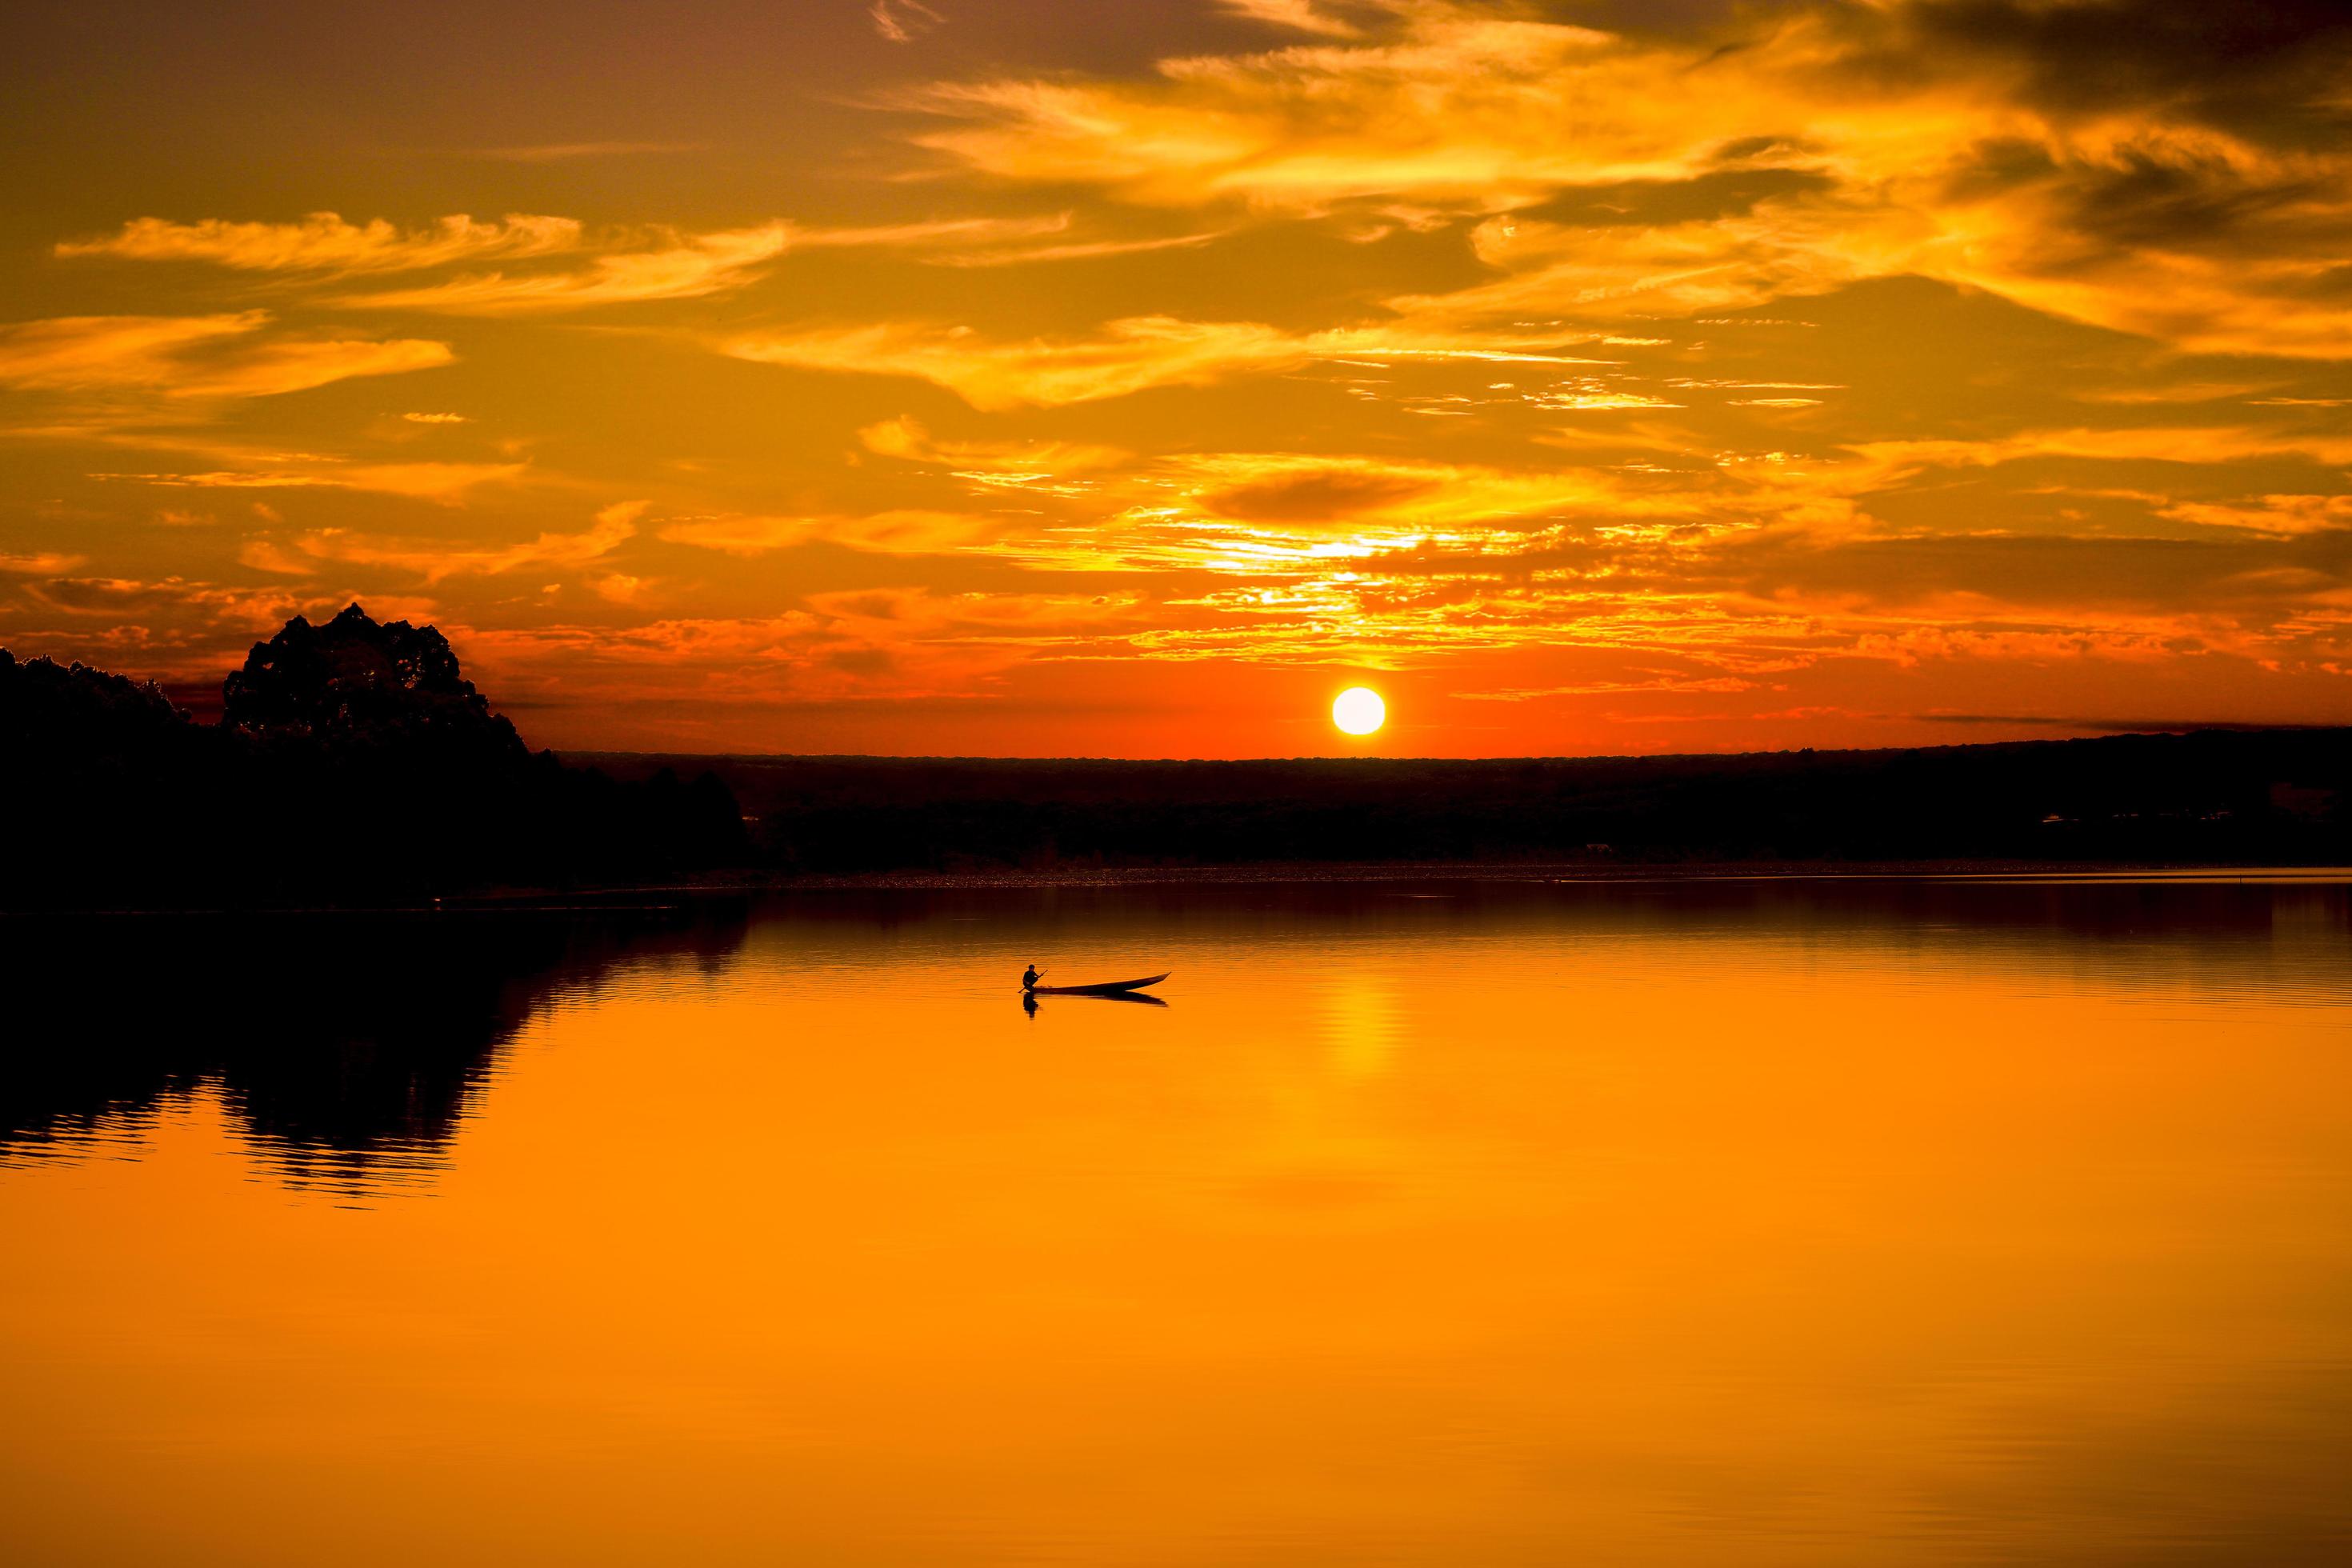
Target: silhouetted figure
<point>1029,976</point>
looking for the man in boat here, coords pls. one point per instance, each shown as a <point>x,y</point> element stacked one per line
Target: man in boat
<point>1029,978</point>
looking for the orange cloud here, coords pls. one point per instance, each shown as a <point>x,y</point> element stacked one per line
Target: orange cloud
<point>1298,15</point>
<point>437,560</point>
<point>890,532</point>
<point>263,555</point>
<point>78,352</point>
<point>902,21</point>
<point>564,151</point>
<point>703,264</point>
<point>1618,173</point>
<point>1060,467</point>
<point>687,267</point>
<point>45,563</point>
<point>324,242</point>
<point>271,369</point>
<point>447,483</point>
<point>165,355</point>
<point>1661,681</point>
<point>1126,356</point>
<point>891,645</point>
<point>2271,514</point>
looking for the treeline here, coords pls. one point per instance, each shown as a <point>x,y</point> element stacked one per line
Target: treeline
<point>2214,796</point>
<point>353,762</point>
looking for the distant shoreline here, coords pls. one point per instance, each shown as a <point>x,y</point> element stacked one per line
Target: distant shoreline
<point>617,896</point>
<point>337,781</point>
<point>1375,872</point>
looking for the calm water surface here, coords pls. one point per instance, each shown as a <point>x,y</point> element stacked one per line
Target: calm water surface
<point>1746,1223</point>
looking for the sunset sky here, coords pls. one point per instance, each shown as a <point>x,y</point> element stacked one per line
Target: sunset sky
<point>1130,376</point>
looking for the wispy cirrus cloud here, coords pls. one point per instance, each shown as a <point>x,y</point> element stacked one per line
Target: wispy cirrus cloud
<point>1059,468</point>
<point>1124,357</point>
<point>902,21</point>
<point>325,243</point>
<point>435,561</point>
<point>1660,681</point>
<point>878,645</point>
<point>39,563</point>
<point>1129,356</point>
<point>67,352</point>
<point>617,268</point>
<point>906,532</point>
<point>1457,104</point>
<point>2284,514</point>
<point>1007,240</point>
<point>692,267</point>
<point>566,152</point>
<point>267,556</point>
<point>1297,15</point>
<point>1792,153</point>
<point>687,267</point>
<point>194,356</point>
<point>447,484</point>
<point>297,365</point>
<point>1026,252</point>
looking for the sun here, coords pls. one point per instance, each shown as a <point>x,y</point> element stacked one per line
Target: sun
<point>1359,711</point>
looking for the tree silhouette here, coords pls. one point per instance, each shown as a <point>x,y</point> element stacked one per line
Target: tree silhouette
<point>353,762</point>
<point>355,681</point>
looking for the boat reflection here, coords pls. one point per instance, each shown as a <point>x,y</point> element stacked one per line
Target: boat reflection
<point>1029,1003</point>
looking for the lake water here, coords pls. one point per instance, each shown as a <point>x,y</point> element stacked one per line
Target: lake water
<point>1751,1222</point>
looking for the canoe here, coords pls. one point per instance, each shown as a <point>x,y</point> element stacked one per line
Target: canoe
<point>1107,989</point>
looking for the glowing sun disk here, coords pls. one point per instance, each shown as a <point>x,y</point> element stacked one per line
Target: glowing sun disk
<point>1359,711</point>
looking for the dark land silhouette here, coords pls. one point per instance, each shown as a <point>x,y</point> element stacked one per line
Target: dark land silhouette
<point>351,761</point>
<point>2209,798</point>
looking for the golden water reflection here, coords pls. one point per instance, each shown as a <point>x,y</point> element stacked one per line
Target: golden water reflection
<point>1783,1222</point>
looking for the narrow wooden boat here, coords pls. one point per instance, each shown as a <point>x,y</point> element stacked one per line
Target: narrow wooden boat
<point>1106,988</point>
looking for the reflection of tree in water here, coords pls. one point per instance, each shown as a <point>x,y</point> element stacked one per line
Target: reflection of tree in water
<point>345,1048</point>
